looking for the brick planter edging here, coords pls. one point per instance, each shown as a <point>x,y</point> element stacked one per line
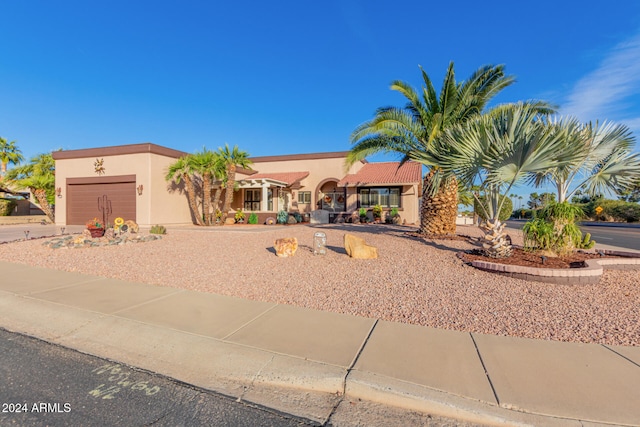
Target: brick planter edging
<point>588,275</point>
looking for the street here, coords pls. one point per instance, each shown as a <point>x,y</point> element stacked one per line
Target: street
<point>44,384</point>
<point>620,235</point>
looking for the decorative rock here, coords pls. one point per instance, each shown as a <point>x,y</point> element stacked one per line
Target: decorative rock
<point>132,227</point>
<point>357,248</point>
<point>286,247</point>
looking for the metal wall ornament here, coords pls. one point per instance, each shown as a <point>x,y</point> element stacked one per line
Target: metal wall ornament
<point>99,166</point>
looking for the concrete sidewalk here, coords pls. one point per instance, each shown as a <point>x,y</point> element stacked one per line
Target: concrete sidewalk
<point>305,362</point>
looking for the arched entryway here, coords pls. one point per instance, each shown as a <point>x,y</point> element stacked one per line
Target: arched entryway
<point>330,197</point>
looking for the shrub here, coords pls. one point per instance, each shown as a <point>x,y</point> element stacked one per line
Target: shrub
<point>377,211</point>
<point>505,212</point>
<point>158,229</point>
<point>7,206</point>
<point>253,218</point>
<point>555,229</point>
<point>297,216</point>
<point>283,217</point>
<point>239,216</point>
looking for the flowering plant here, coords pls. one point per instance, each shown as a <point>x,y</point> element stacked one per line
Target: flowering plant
<point>94,223</point>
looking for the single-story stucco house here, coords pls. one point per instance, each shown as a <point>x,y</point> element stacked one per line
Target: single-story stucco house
<point>129,182</point>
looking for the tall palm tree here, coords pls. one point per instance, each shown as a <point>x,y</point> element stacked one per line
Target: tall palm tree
<point>231,159</point>
<point>602,162</point>
<point>9,153</point>
<point>39,177</point>
<point>210,166</point>
<point>414,128</point>
<point>497,151</point>
<point>182,170</point>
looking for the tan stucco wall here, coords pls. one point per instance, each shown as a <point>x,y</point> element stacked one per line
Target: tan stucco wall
<point>156,205</point>
<point>320,170</point>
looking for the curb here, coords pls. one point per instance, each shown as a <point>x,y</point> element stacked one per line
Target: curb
<point>588,275</point>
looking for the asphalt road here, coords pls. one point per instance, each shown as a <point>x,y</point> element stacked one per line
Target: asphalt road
<point>44,384</point>
<point>621,235</point>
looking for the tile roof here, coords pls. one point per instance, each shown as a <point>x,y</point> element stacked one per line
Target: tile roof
<point>288,177</point>
<point>384,173</point>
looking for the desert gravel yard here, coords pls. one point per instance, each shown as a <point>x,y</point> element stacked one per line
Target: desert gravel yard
<point>413,281</point>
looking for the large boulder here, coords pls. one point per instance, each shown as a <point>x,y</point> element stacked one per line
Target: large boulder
<point>357,248</point>
<point>286,247</point>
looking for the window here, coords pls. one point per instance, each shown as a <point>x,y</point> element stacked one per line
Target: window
<point>387,197</point>
<point>252,199</point>
<point>304,197</point>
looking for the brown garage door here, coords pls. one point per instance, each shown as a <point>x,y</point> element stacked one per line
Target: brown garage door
<point>85,200</point>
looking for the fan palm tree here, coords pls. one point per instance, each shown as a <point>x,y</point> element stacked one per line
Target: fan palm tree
<point>9,153</point>
<point>39,177</point>
<point>182,170</point>
<point>231,159</point>
<point>414,128</point>
<point>603,160</point>
<point>497,151</point>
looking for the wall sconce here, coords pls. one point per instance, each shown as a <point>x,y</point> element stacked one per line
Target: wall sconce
<point>140,188</point>
<point>59,191</point>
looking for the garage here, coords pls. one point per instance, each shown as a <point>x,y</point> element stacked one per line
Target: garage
<point>90,197</point>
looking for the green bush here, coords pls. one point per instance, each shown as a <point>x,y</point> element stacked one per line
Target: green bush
<point>7,206</point>
<point>555,229</point>
<point>505,212</point>
<point>253,218</point>
<point>158,229</point>
<point>297,216</point>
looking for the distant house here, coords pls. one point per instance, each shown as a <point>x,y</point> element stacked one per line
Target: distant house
<point>128,181</point>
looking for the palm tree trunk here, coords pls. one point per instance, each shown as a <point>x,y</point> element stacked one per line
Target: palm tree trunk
<point>495,242</point>
<point>228,195</point>
<point>438,213</point>
<point>217,193</point>
<point>41,197</point>
<point>191,197</point>
<point>206,199</point>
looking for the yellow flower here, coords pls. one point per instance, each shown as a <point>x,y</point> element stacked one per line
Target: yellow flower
<point>118,221</point>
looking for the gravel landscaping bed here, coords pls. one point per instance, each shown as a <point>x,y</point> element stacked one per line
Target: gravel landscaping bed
<point>414,280</point>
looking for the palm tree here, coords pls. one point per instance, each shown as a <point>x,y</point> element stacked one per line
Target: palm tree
<point>9,153</point>
<point>602,160</point>
<point>496,151</point>
<point>231,159</point>
<point>209,165</point>
<point>182,170</point>
<point>414,128</point>
<point>39,177</point>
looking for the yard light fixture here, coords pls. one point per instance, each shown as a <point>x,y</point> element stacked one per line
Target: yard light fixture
<point>543,258</point>
<point>140,188</point>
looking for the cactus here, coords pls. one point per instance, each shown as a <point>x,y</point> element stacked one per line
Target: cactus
<point>253,218</point>
<point>587,243</point>
<point>158,229</point>
<point>283,217</point>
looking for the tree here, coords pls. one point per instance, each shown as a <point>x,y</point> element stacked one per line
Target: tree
<point>182,170</point>
<point>413,129</point>
<point>539,201</point>
<point>597,159</point>
<point>9,153</point>
<point>210,167</point>
<point>496,151</point>
<point>39,177</point>
<point>231,159</point>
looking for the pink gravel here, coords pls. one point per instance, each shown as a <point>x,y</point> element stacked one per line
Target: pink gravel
<point>413,281</point>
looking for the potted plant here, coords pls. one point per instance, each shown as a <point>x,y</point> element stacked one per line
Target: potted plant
<point>363,215</point>
<point>239,216</point>
<point>377,213</point>
<point>395,216</point>
<point>95,227</point>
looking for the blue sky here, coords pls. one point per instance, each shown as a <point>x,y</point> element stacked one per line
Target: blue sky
<point>291,76</point>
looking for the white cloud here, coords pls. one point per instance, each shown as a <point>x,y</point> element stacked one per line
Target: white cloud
<point>609,92</point>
